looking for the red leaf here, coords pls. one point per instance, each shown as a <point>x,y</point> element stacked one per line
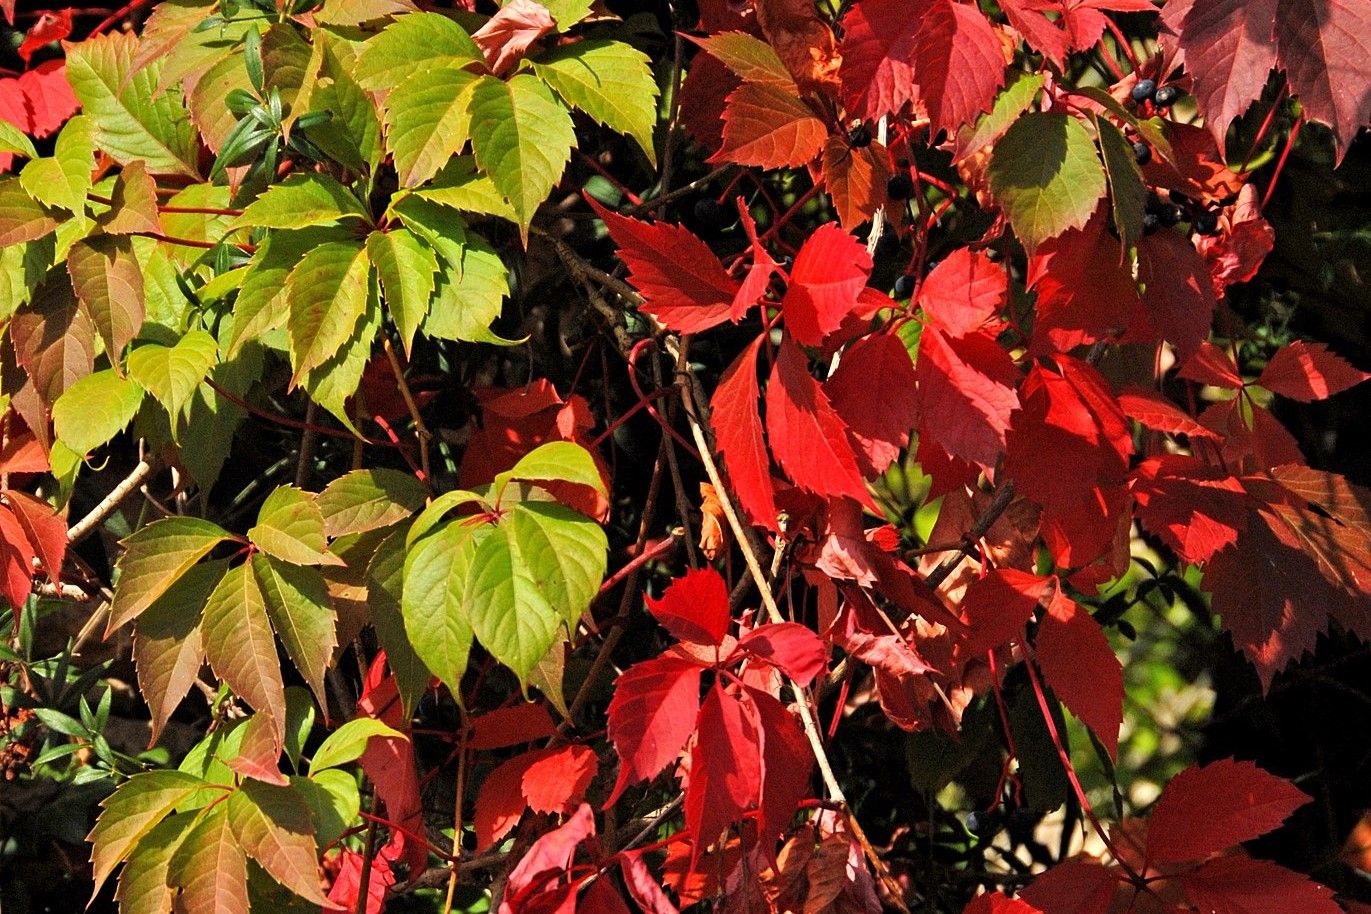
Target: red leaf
<point>1195,509</point>
<point>725,768</point>
<point>651,716</point>
<point>506,36</point>
<point>1241,885</point>
<point>347,885</point>
<point>643,886</point>
<point>997,607</point>
<point>16,559</point>
<point>521,723</point>
<point>802,40</point>
<point>1084,293</point>
<point>1212,365</point>
<point>808,438</point>
<point>1151,410</point>
<point>741,442</point>
<point>788,761</point>
<point>683,284</point>
<point>873,392</point>
<point>556,780</point>
<point>769,126</point>
<point>48,97</point>
<point>1244,239</point>
<point>694,607</point>
<point>966,394</point>
<point>790,647</point>
<point>603,898</point>
<point>23,453</point>
<point>830,271</point>
<point>550,855</point>
<point>758,278</point>
<point>1325,48</point>
<point>999,903</point>
<point>855,180</point>
<point>50,27</point>
<point>1230,50</point>
<point>1078,27</point>
<point>1076,886</point>
<point>1178,295</point>
<point>45,529</point>
<point>703,94</point>
<point>1041,33</point>
<point>1081,668</point>
<point>877,49</point>
<point>1195,167</point>
<point>1206,810</point>
<point>964,293</point>
<point>958,64</point>
<point>1308,371</point>
<point>389,762</point>
<point>500,802</point>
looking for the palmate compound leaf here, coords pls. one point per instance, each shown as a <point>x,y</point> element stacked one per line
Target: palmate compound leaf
<point>239,643</point>
<point>608,80</point>
<point>428,121</point>
<point>167,645</point>
<point>154,558</point>
<point>273,825</point>
<point>211,867</point>
<point>297,602</point>
<point>1046,176</point>
<point>522,137</point>
<point>327,293</point>
<point>1204,810</point>
<point>131,812</point>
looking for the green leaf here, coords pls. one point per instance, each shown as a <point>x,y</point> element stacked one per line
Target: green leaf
<point>22,218</point>
<point>608,80</point>
<point>522,138</point>
<point>239,645</point>
<point>299,722</point>
<point>436,569</point>
<point>167,647</point>
<point>214,119</point>
<point>108,281</point>
<point>133,203</point>
<point>459,186</point>
<point>428,121</point>
<point>352,135</point>
<point>143,882</point>
<point>348,742</point>
<point>261,303</point>
<point>290,527</point>
<point>1046,176</point>
<point>437,509</point>
<point>749,57</point>
<point>14,140</point>
<point>64,180</point>
<point>369,499</point>
<point>22,268</point>
<point>301,201</point>
<point>385,589</point>
<point>470,295</point>
<point>333,800</point>
<point>565,13</point>
<point>414,42</point>
<point>130,813</point>
<point>357,12</point>
<point>1016,98</point>
<point>406,267</point>
<point>298,605</point>
<point>1127,194</point>
<point>327,294</point>
<point>211,868</point>
<point>275,827</point>
<point>562,461</point>
<point>154,559</point>
<point>131,120</point>
<point>332,383</point>
<point>173,373</point>
<point>95,409</point>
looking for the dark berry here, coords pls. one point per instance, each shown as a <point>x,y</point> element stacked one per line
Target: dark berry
<point>981,824</point>
<point>787,262</point>
<point>708,211</point>
<point>1182,200</point>
<point>1126,629</point>
<point>899,187</point>
<point>904,286</point>
<point>1143,89</point>
<point>1154,203</point>
<point>1206,222</point>
<point>859,137</point>
<point>1170,215</point>
<point>1166,96</point>
<point>1142,153</point>
<point>887,245</point>
<point>1151,222</point>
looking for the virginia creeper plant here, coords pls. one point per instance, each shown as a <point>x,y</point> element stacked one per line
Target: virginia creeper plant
<point>522,457</point>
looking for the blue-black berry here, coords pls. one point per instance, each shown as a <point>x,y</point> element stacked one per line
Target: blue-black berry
<point>1170,215</point>
<point>980,823</point>
<point>1142,153</point>
<point>709,212</point>
<point>899,187</point>
<point>1143,89</point>
<point>904,286</point>
<point>1206,222</point>
<point>859,137</point>
<point>1166,96</point>
<point>1151,222</point>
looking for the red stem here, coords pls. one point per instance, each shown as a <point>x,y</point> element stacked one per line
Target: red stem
<point>1280,163</point>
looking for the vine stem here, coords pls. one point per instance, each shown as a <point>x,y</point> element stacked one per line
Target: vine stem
<point>86,525</point>
<point>456,814</point>
<point>759,577</point>
<point>420,429</point>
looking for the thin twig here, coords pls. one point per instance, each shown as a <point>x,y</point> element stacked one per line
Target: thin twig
<point>420,430</point>
<point>86,525</point>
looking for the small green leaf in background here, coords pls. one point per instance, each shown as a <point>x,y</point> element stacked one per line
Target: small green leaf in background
<point>348,742</point>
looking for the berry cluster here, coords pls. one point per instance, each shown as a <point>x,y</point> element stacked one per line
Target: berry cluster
<point>1178,208</point>
<point>1146,90</point>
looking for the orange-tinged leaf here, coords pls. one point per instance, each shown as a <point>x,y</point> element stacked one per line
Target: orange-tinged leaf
<point>855,179</point>
<point>239,643</point>
<point>154,558</point>
<point>1151,410</point>
<point>748,57</point>
<point>167,646</point>
<point>768,126</point>
<point>1206,810</point>
<point>45,529</point>
<point>273,825</point>
<point>54,340</point>
<point>830,271</point>
<point>211,867</point>
<point>803,40</point>
<point>556,780</point>
<point>130,813</point>
<point>506,36</point>
<point>109,283</point>
<point>964,292</point>
<point>694,607</point>
<point>259,754</point>
<point>1308,371</point>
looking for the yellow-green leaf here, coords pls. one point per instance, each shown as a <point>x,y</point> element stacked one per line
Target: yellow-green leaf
<point>154,558</point>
